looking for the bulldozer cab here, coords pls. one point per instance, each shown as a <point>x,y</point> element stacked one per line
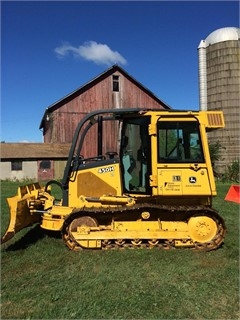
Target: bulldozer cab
<point>159,152</point>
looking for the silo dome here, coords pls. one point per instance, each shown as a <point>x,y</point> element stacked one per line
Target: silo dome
<point>223,34</point>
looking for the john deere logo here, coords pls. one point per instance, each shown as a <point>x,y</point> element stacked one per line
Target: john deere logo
<point>192,179</point>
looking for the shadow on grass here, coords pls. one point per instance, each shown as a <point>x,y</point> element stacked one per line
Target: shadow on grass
<point>31,237</point>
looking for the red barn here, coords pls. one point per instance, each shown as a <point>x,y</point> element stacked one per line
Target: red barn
<point>114,88</point>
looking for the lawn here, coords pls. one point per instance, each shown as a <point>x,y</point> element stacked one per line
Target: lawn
<point>42,279</point>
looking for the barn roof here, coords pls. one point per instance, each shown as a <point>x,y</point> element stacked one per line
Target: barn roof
<point>33,151</point>
<point>93,82</point>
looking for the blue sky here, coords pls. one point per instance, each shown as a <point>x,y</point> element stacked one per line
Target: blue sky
<point>50,48</point>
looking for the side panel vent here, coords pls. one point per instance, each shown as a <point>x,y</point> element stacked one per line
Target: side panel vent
<point>215,119</point>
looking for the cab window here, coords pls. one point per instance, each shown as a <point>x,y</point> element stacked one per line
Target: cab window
<point>136,155</point>
<point>179,141</point>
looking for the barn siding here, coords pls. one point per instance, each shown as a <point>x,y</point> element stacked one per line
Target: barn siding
<point>28,172</point>
<point>5,170</point>
<point>59,166</point>
<point>63,121</point>
<point>31,171</point>
<point>45,174</point>
<point>64,116</point>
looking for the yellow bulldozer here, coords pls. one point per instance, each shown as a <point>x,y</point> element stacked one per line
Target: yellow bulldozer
<point>154,189</point>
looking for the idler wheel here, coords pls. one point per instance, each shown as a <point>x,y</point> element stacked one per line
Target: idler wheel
<point>84,221</point>
<point>202,228</point>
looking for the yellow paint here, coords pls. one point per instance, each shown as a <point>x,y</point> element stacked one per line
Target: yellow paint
<point>95,182</point>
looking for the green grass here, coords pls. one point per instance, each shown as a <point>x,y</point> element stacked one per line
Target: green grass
<point>42,279</point>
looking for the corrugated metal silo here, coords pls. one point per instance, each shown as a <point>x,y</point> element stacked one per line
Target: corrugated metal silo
<point>219,87</point>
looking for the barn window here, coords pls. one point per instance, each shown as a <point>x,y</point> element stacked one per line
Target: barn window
<point>115,83</point>
<point>16,165</point>
<point>45,164</point>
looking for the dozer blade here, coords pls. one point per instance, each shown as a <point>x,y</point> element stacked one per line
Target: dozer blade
<point>20,215</point>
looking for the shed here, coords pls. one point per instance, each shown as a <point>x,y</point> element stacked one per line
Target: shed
<point>33,161</point>
<point>114,88</point>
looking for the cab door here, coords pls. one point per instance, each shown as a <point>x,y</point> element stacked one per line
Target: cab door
<point>181,166</point>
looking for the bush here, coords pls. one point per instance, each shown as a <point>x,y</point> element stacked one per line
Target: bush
<point>232,172</point>
<point>215,151</point>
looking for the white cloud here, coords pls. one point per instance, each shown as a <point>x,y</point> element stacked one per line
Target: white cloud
<point>96,52</point>
<point>27,141</point>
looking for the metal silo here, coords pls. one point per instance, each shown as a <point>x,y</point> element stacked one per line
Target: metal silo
<point>219,88</point>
